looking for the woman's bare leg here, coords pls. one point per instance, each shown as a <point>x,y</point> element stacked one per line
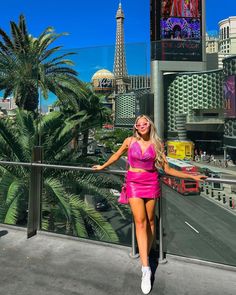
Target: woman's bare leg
<point>140,218</point>
<point>150,205</point>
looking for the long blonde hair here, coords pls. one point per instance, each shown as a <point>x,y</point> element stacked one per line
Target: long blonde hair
<point>155,139</point>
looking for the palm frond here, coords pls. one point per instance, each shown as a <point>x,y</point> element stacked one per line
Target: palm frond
<point>12,141</point>
<point>59,193</point>
<point>8,43</point>
<point>12,204</point>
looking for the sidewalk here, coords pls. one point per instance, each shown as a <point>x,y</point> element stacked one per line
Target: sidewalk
<point>231,170</point>
<point>49,264</point>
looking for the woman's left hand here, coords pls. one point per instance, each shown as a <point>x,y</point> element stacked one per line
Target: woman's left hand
<point>97,167</point>
<point>199,177</point>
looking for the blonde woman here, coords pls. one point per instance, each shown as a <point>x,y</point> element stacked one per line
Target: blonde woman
<point>145,154</point>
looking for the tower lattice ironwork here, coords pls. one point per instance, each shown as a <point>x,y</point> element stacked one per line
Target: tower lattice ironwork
<point>120,68</point>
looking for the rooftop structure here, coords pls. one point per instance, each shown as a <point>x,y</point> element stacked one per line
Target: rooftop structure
<point>103,81</point>
<point>7,103</point>
<point>227,38</point>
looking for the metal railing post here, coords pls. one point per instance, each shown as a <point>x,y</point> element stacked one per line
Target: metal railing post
<point>134,253</point>
<point>160,212</point>
<point>35,193</point>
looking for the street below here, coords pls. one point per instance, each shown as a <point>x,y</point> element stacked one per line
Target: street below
<point>198,228</point>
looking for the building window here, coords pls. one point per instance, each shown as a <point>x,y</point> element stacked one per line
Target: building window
<point>227,32</point>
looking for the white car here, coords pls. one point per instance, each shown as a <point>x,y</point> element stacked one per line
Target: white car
<point>115,192</point>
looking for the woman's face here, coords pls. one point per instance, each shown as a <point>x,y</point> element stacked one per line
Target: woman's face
<point>143,126</point>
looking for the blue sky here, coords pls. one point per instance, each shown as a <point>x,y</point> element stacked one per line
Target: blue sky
<point>92,27</point>
<point>92,23</point>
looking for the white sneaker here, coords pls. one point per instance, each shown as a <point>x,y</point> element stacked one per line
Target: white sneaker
<point>146,281</point>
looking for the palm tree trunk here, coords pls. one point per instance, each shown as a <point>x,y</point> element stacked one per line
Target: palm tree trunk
<point>75,140</point>
<point>85,142</point>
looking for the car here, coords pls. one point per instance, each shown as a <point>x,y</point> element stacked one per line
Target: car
<point>102,205</point>
<point>97,152</point>
<point>107,150</point>
<point>90,153</point>
<point>100,161</point>
<point>115,192</point>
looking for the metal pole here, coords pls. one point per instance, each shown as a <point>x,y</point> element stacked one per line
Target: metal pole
<point>34,206</point>
<point>225,153</point>
<point>134,253</point>
<point>161,260</point>
<point>158,92</point>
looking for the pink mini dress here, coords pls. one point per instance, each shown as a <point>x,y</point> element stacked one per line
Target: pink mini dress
<point>142,184</point>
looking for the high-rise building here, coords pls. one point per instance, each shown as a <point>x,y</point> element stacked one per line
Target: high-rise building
<point>140,82</point>
<point>177,45</point>
<point>212,42</point>
<point>212,50</point>
<point>227,39</point>
<point>7,103</point>
<point>222,44</point>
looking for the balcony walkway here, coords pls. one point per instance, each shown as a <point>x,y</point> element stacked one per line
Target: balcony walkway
<point>54,265</point>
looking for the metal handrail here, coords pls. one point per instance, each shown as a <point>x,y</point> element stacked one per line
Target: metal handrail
<point>66,167</point>
<point>87,169</point>
<point>221,180</point>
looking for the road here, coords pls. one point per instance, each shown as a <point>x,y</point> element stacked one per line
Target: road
<point>196,227</point>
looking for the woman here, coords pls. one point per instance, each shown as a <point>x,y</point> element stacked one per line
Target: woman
<point>145,154</point>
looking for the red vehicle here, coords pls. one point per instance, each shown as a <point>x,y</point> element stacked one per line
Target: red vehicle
<point>181,185</point>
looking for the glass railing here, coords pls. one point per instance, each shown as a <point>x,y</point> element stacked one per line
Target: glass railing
<point>67,200</point>
<point>15,182</point>
<point>84,204</point>
<point>66,127</point>
<point>67,113</point>
<point>75,128</point>
<point>70,125</point>
<point>201,225</point>
<point>79,202</point>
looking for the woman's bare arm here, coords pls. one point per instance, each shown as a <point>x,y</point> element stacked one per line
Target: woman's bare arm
<point>115,156</point>
<point>173,172</point>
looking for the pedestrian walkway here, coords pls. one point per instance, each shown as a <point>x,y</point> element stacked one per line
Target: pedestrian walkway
<point>49,264</point>
<point>231,170</point>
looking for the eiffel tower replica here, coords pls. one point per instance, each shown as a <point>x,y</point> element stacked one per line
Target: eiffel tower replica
<point>122,81</point>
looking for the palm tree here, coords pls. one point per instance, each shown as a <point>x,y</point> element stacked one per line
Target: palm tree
<point>63,191</point>
<point>28,65</point>
<point>82,100</point>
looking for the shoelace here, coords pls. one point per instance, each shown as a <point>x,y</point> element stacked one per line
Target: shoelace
<point>146,273</point>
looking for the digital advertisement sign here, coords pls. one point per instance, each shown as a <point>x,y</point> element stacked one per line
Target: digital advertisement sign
<point>176,30</point>
<point>180,8</point>
<point>229,97</point>
<point>180,28</point>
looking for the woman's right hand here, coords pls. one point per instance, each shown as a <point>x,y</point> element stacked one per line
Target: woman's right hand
<point>97,167</point>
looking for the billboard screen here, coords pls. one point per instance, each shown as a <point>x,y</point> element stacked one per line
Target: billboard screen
<point>229,97</point>
<point>180,28</point>
<point>180,8</point>
<point>176,30</point>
